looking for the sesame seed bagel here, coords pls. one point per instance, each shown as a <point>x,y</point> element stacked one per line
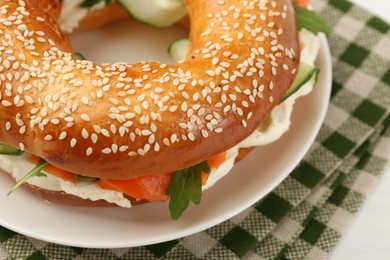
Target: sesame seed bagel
<point>120,120</point>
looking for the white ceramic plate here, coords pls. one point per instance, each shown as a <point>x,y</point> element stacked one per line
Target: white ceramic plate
<point>249,181</point>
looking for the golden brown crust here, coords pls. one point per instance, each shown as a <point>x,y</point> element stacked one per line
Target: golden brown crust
<point>50,7</point>
<point>122,121</point>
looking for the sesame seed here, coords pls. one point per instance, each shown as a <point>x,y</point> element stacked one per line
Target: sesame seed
<point>22,129</point>
<point>84,133</point>
<point>85,117</point>
<point>205,134</point>
<point>210,73</point>
<point>106,150</point>
<point>73,142</point>
<point>62,135</point>
<point>89,150</point>
<point>114,148</point>
<point>123,148</point>
<point>105,132</point>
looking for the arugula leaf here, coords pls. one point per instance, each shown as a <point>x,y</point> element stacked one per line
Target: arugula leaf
<point>309,20</point>
<point>36,171</point>
<point>186,186</point>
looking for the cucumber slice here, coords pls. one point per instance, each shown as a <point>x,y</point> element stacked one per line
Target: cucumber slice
<point>9,150</point>
<point>156,13</point>
<point>78,56</point>
<point>305,74</point>
<point>178,49</point>
<point>86,178</point>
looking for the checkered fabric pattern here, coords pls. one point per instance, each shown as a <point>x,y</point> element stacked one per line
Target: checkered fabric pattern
<point>305,216</point>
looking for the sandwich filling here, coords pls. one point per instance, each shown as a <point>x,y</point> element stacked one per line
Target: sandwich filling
<point>72,13</point>
<point>273,128</point>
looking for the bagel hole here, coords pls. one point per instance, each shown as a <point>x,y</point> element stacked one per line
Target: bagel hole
<point>127,41</point>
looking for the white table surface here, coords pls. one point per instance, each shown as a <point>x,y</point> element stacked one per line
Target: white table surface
<point>369,234</point>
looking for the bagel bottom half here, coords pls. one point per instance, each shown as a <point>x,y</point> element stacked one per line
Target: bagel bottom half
<point>61,197</point>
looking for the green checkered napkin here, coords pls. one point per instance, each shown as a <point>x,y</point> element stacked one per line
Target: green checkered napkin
<point>309,211</point>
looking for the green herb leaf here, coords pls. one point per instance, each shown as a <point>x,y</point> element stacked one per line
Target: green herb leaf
<point>36,171</point>
<point>9,150</point>
<point>90,3</point>
<point>310,21</point>
<point>186,186</point>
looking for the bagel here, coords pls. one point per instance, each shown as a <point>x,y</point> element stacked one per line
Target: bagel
<point>123,121</point>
